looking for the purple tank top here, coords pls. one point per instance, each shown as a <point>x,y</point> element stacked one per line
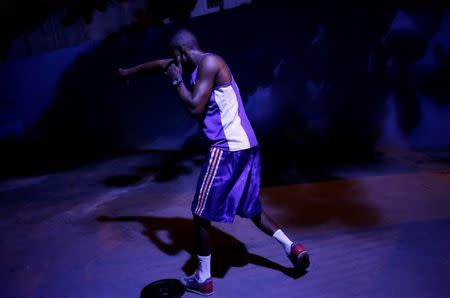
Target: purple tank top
<point>224,121</point>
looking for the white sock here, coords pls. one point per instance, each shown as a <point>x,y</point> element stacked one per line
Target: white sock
<point>283,240</point>
<point>204,268</point>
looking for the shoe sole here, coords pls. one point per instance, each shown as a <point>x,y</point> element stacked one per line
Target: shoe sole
<point>302,262</point>
<point>199,293</point>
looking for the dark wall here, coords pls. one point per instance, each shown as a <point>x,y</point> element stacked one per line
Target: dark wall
<point>322,82</point>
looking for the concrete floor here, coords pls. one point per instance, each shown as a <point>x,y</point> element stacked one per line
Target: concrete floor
<point>109,229</point>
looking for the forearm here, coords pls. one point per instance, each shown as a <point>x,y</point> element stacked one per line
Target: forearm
<point>195,101</point>
<point>155,66</point>
<point>186,97</point>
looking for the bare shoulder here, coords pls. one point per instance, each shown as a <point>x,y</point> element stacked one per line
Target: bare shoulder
<point>212,61</point>
<point>217,68</point>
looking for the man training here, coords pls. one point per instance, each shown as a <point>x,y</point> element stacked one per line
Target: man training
<point>229,181</point>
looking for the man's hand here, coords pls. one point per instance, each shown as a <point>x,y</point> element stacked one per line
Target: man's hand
<point>123,72</point>
<point>175,70</point>
<point>123,75</point>
<point>197,100</point>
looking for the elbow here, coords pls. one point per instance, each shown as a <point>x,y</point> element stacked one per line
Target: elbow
<point>196,112</point>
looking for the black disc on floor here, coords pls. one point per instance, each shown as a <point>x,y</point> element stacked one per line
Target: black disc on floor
<point>164,288</point>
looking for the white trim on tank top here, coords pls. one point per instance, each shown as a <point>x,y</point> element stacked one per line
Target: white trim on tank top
<point>228,104</point>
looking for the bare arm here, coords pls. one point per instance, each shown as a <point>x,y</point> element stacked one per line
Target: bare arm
<point>155,66</point>
<point>197,100</point>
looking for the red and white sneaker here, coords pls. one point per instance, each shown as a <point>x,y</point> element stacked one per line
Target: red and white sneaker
<point>299,257</point>
<point>193,285</point>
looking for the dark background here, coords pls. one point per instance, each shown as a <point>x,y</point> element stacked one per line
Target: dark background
<point>323,83</point>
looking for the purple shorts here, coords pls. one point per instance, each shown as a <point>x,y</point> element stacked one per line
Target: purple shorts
<point>229,185</point>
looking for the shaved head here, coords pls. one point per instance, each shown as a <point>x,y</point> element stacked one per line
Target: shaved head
<point>184,38</point>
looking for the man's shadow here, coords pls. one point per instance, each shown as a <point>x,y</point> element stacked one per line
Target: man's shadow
<point>227,251</point>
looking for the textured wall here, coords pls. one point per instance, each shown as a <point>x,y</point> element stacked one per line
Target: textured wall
<point>30,28</point>
<point>318,84</point>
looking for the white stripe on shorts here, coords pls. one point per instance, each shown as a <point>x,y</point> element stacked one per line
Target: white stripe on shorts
<point>209,186</point>
<point>207,180</point>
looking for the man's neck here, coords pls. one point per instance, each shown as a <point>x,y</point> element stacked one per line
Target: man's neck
<point>197,56</point>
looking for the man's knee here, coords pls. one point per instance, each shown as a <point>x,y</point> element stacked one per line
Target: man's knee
<point>204,223</point>
<point>256,219</point>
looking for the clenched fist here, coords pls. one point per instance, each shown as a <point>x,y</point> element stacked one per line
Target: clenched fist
<point>175,70</point>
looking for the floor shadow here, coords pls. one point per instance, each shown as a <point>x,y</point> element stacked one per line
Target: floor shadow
<point>23,159</point>
<point>165,165</point>
<point>228,251</point>
<point>174,163</point>
<point>122,180</point>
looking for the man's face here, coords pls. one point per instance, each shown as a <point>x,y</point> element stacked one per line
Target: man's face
<point>179,52</point>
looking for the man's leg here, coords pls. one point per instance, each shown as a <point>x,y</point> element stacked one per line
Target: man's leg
<point>201,282</point>
<point>265,223</point>
<point>202,230</point>
<point>269,227</point>
<point>295,251</point>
